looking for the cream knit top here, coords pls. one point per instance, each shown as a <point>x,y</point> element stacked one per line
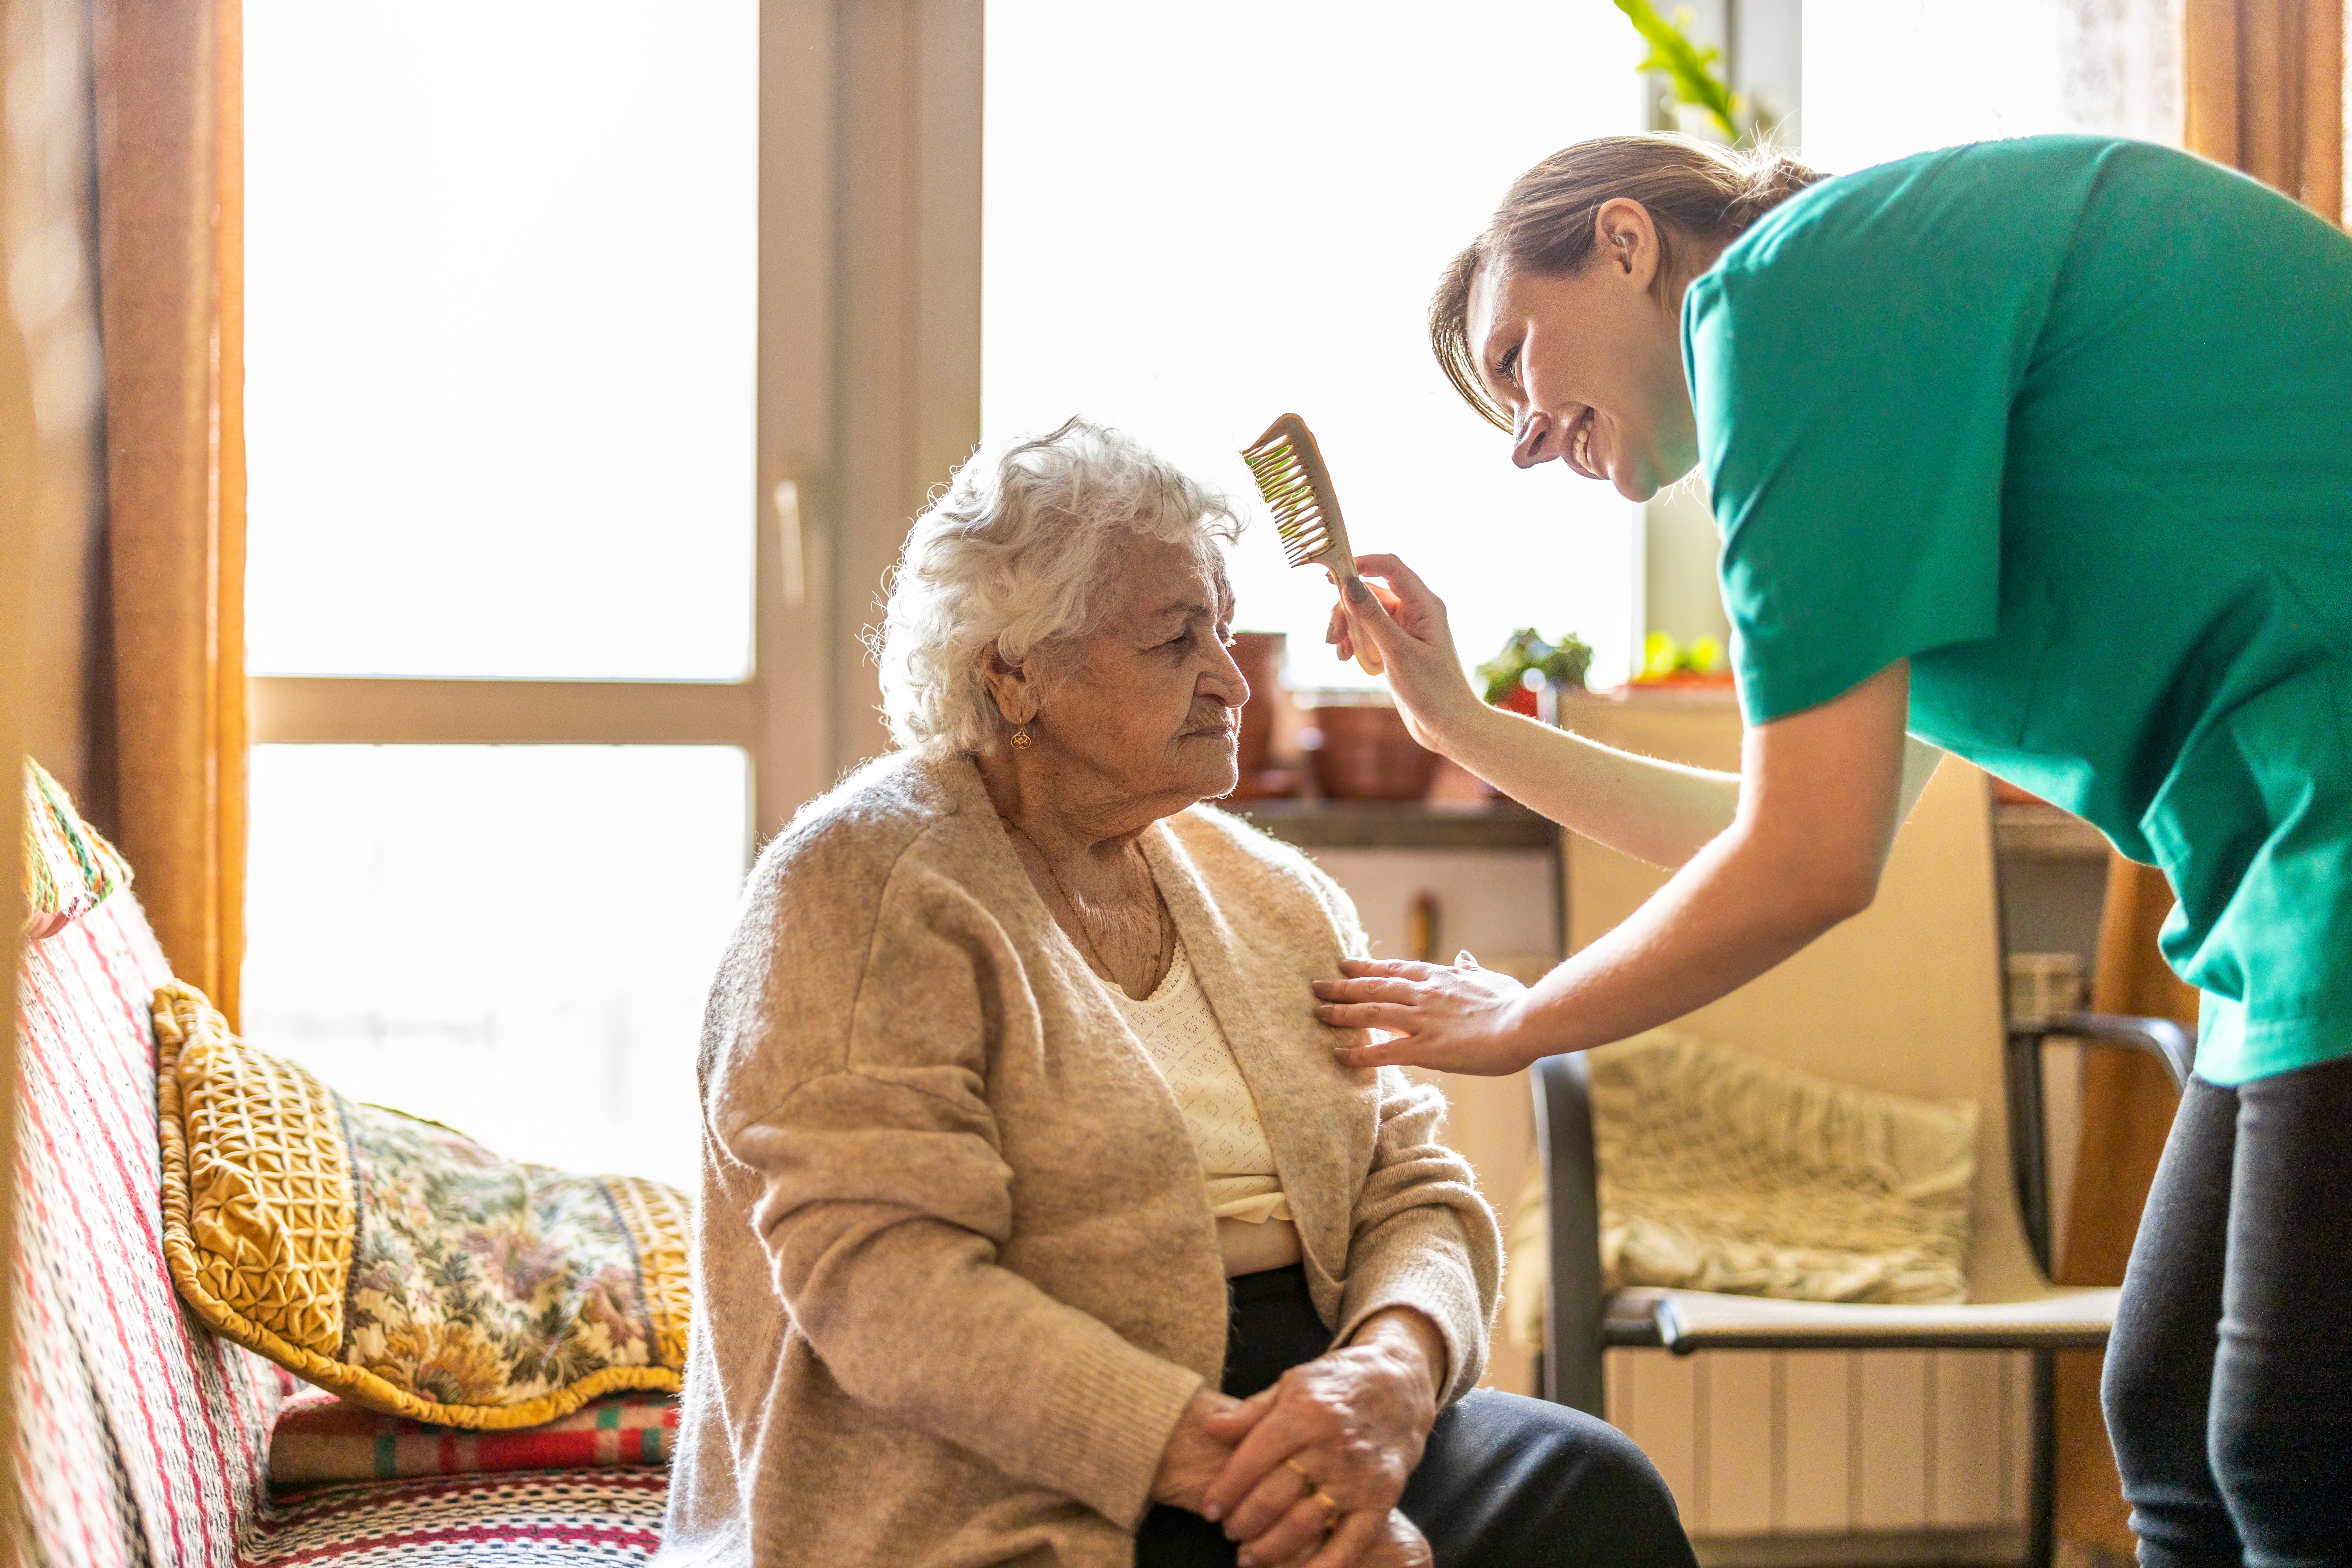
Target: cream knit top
<point>1180,1032</point>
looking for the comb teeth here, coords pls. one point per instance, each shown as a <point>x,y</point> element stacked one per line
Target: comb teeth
<point>1289,469</point>
<point>1298,519</point>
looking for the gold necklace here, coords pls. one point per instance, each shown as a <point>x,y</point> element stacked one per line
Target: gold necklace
<point>1093,955</point>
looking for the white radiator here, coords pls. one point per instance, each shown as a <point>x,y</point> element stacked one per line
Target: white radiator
<point>1770,1442</point>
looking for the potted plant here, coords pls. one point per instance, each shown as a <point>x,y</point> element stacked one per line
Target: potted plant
<point>1505,677</point>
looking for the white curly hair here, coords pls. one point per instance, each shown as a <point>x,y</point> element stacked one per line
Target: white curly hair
<point>1014,553</point>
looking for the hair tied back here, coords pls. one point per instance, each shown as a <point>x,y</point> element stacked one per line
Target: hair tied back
<point>1697,193</point>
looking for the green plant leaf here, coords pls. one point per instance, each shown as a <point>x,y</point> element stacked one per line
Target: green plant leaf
<point>1687,68</point>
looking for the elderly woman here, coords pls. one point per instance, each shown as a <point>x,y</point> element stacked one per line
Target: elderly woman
<point>1039,1224</point>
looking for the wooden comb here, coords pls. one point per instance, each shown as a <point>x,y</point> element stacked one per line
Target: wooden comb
<point>1290,474</point>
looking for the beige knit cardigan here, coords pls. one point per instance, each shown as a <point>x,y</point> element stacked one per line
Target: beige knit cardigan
<point>955,1272</point>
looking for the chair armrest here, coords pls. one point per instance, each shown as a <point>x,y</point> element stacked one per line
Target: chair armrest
<point>1572,1303</point>
<point>2160,1037</point>
<point>2028,1149</point>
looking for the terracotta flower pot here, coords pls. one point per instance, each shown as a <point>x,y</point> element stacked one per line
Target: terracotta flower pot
<point>1259,654</point>
<point>1368,754</point>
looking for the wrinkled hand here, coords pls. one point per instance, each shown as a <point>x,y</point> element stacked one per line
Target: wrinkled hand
<point>1391,1543</point>
<point>1407,624</point>
<point>1355,1420</point>
<point>1456,1017</point>
<point>1193,1456</point>
<point>1400,1544</point>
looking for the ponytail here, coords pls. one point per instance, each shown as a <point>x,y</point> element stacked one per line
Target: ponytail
<point>1696,193</point>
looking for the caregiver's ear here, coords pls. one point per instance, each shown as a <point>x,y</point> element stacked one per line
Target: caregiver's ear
<point>1626,240</point>
<point>1014,685</point>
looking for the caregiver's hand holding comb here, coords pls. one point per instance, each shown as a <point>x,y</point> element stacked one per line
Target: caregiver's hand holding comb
<point>1763,871</point>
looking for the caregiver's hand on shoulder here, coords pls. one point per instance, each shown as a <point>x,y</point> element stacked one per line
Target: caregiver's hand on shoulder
<point>1454,1016</point>
<point>1407,623</point>
<point>1348,1427</point>
<point>1193,1456</point>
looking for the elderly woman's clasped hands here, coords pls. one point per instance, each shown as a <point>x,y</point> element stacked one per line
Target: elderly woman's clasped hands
<point>1320,1459</point>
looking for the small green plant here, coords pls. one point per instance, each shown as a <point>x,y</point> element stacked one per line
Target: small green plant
<point>1689,69</point>
<point>1563,663</point>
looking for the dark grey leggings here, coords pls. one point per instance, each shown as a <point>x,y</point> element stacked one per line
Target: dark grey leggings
<point>2228,1379</point>
<point>1505,1482</point>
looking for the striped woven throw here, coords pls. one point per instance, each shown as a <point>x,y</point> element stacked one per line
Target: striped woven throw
<point>320,1438</point>
<point>70,870</point>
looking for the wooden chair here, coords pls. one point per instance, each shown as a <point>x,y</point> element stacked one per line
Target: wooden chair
<point>1908,998</point>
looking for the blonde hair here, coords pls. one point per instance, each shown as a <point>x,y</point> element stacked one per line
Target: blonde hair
<point>1016,552</point>
<point>1695,192</point>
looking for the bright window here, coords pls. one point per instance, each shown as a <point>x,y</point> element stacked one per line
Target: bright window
<point>514,940</point>
<point>501,267</point>
<point>502,308</point>
<point>1199,216</point>
<point>1884,79</point>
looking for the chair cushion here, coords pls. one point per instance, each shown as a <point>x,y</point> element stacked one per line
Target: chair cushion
<point>321,1438</point>
<point>140,1438</point>
<point>1725,1171</point>
<point>69,869</point>
<point>394,1261</point>
<point>536,1517</point>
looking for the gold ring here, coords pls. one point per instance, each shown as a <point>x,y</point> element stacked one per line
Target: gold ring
<point>1323,1500</point>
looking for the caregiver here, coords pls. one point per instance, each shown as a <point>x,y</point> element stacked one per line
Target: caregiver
<point>2041,452</point>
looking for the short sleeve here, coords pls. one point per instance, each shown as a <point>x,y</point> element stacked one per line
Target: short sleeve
<point>1853,362</point>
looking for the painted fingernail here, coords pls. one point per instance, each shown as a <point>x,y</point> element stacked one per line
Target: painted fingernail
<point>1357,591</point>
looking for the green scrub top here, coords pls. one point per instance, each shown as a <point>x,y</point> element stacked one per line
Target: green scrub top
<point>2067,422</point>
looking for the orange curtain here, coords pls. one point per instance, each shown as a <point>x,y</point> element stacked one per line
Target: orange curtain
<point>2265,93</point>
<point>171,226</point>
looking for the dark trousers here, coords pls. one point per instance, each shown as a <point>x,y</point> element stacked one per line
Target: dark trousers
<point>2229,1377</point>
<point>1505,1482</point>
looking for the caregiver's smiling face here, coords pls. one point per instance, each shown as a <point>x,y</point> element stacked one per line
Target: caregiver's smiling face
<point>1589,365</point>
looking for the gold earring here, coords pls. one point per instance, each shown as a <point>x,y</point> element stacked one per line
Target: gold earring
<point>1021,738</point>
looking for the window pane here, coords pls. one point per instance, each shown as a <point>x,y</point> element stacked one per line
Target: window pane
<point>1260,197</point>
<point>513,940</point>
<point>501,280</point>
<point>1981,71</point>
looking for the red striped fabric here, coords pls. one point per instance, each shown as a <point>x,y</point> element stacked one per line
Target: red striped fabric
<point>321,1438</point>
<point>143,1437</point>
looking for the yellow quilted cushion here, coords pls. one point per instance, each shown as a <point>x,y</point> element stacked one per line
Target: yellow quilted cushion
<point>398,1262</point>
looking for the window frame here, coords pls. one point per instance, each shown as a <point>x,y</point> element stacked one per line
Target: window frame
<point>867,392</point>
